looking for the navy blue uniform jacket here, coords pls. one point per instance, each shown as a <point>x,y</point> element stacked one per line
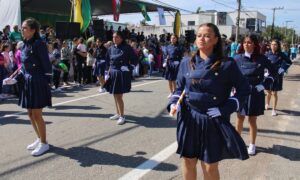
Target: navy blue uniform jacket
<point>206,88</point>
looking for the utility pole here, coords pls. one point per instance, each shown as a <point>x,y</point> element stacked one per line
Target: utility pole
<point>272,30</point>
<point>293,31</point>
<point>238,21</point>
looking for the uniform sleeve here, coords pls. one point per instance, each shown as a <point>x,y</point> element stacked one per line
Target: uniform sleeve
<point>270,67</point>
<point>286,62</point>
<point>107,59</point>
<point>240,83</point>
<point>166,52</point>
<point>180,85</point>
<point>42,54</point>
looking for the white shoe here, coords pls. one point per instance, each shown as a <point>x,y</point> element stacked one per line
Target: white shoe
<point>121,120</point>
<point>101,90</point>
<point>266,106</point>
<point>251,149</point>
<point>34,144</point>
<point>115,117</point>
<point>40,149</point>
<point>274,113</point>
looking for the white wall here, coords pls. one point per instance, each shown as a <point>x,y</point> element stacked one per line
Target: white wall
<point>10,13</point>
<point>231,20</point>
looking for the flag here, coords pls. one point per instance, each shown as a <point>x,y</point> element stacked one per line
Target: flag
<point>161,16</point>
<point>82,13</point>
<point>177,23</point>
<point>116,7</point>
<point>144,11</point>
<point>77,13</point>
<point>86,14</point>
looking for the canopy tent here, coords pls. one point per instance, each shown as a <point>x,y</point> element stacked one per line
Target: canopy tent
<point>98,7</point>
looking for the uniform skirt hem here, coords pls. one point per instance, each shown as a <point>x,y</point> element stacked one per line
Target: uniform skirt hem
<point>210,162</point>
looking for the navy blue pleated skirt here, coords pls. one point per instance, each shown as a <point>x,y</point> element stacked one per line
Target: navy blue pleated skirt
<point>171,72</point>
<point>276,85</point>
<point>119,82</point>
<point>208,139</point>
<point>99,68</point>
<point>254,105</point>
<point>35,92</point>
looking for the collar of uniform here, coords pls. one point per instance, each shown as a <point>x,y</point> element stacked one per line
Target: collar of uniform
<point>118,46</point>
<point>209,61</point>
<point>246,54</point>
<point>29,41</point>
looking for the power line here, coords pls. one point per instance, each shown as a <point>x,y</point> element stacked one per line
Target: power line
<point>251,7</point>
<point>222,4</point>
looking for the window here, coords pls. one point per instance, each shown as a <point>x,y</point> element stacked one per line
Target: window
<point>222,18</point>
<point>191,23</point>
<point>250,24</point>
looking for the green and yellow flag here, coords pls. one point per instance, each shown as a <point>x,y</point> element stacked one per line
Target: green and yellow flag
<point>177,24</point>
<point>144,11</point>
<point>82,13</point>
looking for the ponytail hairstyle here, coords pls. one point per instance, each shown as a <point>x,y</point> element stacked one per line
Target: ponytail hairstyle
<point>35,25</point>
<point>217,51</point>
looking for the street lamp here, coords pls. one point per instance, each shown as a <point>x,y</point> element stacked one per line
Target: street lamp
<point>286,23</point>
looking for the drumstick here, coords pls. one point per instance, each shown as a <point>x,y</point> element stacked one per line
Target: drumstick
<point>15,73</point>
<point>180,98</point>
<point>173,111</point>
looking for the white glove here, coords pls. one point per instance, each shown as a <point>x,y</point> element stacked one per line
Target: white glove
<point>106,77</point>
<point>164,65</point>
<point>176,62</point>
<point>280,70</point>
<point>259,88</point>
<point>214,112</point>
<point>124,68</point>
<point>9,81</point>
<point>266,74</point>
<point>232,93</point>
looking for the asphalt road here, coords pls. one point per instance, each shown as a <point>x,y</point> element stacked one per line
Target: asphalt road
<point>86,144</point>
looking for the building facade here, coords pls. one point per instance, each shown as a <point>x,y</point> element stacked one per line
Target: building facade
<point>250,21</point>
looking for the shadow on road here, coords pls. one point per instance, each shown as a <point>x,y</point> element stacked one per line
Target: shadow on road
<point>141,91</point>
<point>17,120</point>
<point>68,107</point>
<point>160,121</point>
<point>87,157</point>
<point>290,153</point>
<point>289,112</point>
<point>294,77</point>
<point>275,132</point>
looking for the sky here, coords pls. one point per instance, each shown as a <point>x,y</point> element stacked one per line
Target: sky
<point>290,11</point>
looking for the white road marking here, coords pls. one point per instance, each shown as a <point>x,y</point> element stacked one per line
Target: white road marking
<point>78,99</point>
<point>150,164</point>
